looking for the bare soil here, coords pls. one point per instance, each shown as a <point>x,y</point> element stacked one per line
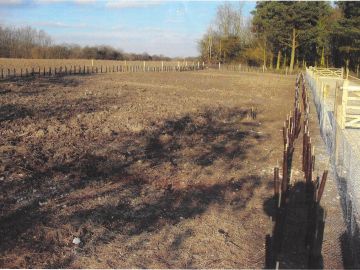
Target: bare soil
<point>149,170</point>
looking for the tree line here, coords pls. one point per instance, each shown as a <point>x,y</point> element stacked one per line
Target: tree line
<point>27,42</point>
<point>285,34</point>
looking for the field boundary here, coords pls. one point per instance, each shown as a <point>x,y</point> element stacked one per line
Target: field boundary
<point>343,146</point>
<point>247,68</point>
<point>299,199</point>
<point>8,73</point>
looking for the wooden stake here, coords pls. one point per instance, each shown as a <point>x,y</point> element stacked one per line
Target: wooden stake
<point>276,182</point>
<point>322,186</point>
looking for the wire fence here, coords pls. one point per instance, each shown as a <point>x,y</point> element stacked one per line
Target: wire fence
<point>248,68</point>
<point>343,145</point>
<point>84,70</point>
<point>297,203</point>
<point>16,67</point>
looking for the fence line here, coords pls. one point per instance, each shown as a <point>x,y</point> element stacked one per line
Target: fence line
<point>286,194</point>
<point>343,145</point>
<point>86,70</point>
<point>247,68</point>
<point>7,73</point>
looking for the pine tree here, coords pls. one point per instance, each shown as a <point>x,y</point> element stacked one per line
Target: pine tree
<point>346,35</point>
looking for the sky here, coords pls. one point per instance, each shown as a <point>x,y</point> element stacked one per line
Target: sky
<point>171,28</point>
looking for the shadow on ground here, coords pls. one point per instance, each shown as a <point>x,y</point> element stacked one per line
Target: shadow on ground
<point>128,183</point>
<point>294,243</point>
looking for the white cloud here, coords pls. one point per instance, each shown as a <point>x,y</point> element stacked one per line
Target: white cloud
<point>59,24</point>
<point>49,1</point>
<point>131,4</point>
<point>11,2</point>
<point>64,1</point>
<point>84,2</point>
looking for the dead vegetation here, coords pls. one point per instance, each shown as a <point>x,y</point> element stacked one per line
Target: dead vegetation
<point>148,170</point>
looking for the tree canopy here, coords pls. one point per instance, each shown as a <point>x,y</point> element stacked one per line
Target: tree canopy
<point>27,42</point>
<point>228,35</point>
<point>292,32</point>
<point>346,34</point>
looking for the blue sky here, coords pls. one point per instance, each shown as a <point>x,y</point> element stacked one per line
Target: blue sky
<point>170,28</point>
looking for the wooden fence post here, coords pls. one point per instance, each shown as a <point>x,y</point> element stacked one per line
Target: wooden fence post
<point>344,103</point>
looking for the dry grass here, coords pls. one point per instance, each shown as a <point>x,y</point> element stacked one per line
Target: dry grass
<point>160,170</point>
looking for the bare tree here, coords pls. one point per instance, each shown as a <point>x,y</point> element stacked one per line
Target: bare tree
<point>228,35</point>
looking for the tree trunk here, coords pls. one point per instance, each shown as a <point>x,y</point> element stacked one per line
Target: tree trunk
<point>220,51</point>
<point>293,47</point>
<point>271,60</point>
<point>322,60</point>
<point>264,55</point>
<point>278,60</point>
<point>210,47</point>
<point>285,62</point>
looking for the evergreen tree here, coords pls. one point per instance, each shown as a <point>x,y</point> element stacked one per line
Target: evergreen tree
<point>346,35</point>
<point>289,24</point>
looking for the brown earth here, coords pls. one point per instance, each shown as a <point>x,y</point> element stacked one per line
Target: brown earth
<point>149,170</point>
